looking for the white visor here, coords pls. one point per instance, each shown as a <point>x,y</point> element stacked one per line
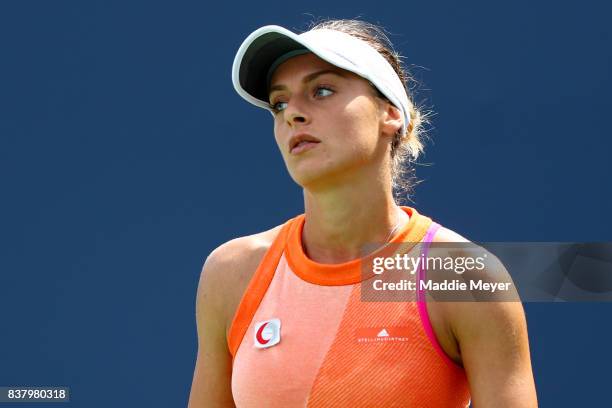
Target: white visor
<point>267,47</point>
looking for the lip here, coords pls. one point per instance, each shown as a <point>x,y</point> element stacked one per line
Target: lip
<point>301,137</point>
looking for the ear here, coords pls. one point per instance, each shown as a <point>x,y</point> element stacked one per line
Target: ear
<point>391,119</point>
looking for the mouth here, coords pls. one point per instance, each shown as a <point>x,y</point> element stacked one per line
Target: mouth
<point>302,142</point>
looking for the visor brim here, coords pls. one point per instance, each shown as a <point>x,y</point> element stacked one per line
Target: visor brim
<point>255,58</point>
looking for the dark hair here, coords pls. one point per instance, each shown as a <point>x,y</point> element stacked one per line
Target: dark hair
<point>405,148</point>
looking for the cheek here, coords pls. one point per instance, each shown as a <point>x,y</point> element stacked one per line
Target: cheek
<point>361,123</point>
<point>278,136</point>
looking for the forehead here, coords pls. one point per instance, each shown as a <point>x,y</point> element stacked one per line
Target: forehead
<point>298,67</point>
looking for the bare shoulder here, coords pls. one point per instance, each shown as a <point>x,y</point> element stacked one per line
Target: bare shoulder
<point>447,235</point>
<point>453,321</point>
<point>491,326</point>
<point>490,269</point>
<point>225,275</point>
<point>228,270</point>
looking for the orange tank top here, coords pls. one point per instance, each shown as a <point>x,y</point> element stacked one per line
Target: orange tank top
<point>303,337</point>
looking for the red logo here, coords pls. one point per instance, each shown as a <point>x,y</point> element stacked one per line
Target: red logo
<point>267,333</point>
<point>258,336</point>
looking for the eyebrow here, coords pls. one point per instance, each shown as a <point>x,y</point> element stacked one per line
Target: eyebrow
<point>309,78</point>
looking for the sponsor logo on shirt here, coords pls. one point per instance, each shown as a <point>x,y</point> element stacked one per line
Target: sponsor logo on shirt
<point>382,334</point>
<point>266,333</point>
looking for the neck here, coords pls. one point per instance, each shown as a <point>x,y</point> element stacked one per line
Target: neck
<point>342,219</point>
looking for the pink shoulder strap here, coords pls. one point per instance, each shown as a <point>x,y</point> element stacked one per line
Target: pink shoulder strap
<point>422,303</point>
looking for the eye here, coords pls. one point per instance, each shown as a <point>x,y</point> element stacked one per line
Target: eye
<point>323,91</point>
<point>278,106</point>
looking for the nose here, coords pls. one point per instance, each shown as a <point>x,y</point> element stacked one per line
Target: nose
<point>295,113</point>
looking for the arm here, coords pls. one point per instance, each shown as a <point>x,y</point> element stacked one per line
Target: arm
<point>225,276</point>
<point>491,336</point>
<point>211,386</point>
<point>493,342</point>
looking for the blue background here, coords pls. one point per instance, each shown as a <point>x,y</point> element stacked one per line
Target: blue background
<point>126,157</point>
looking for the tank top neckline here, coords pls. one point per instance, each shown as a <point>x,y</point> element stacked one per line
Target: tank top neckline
<point>354,271</point>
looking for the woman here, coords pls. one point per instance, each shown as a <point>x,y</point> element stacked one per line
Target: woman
<point>281,321</point>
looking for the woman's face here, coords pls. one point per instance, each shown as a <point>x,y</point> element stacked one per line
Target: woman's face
<point>334,109</point>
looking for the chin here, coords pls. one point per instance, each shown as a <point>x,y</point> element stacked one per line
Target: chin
<point>310,177</point>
